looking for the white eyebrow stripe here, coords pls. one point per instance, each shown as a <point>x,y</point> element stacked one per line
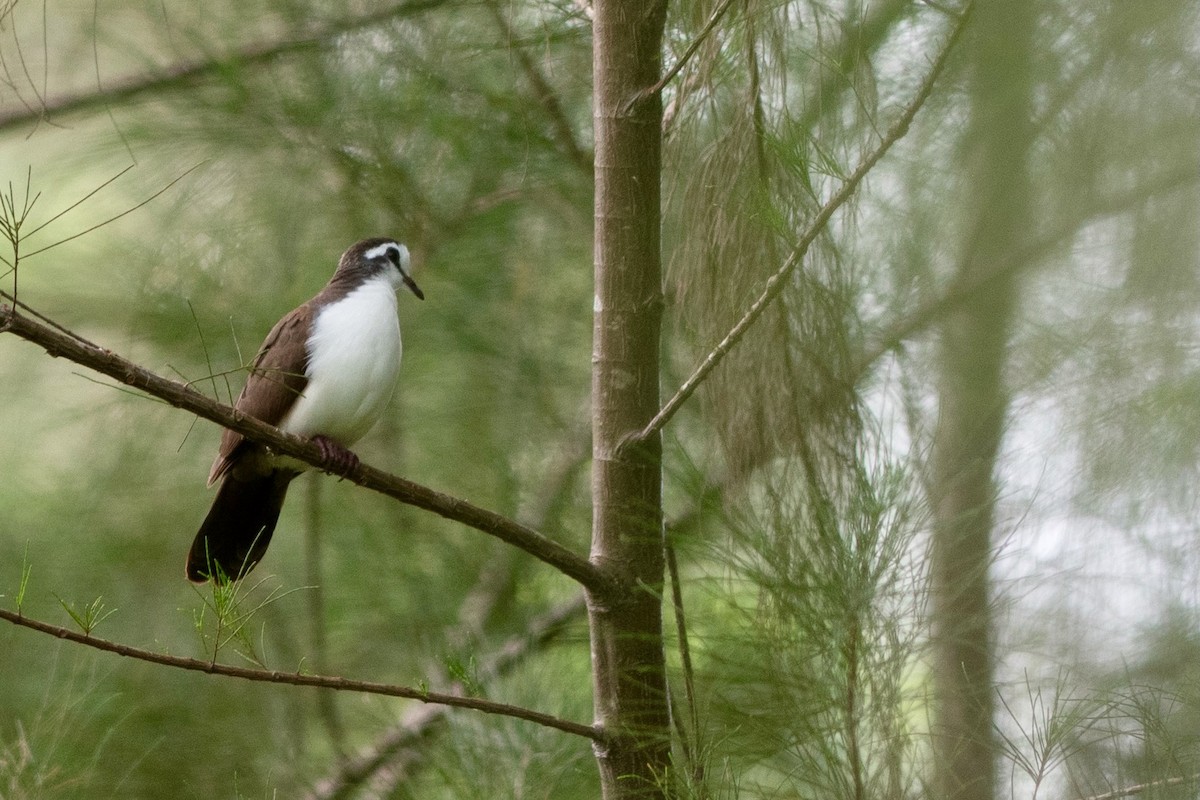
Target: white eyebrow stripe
<point>381,250</point>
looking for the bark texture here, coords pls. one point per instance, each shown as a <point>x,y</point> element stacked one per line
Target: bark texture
<point>626,624</point>
<point>973,400</point>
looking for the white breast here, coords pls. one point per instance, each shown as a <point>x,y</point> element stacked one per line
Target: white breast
<point>353,358</point>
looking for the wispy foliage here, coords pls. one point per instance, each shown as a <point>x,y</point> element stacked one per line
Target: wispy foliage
<point>767,120</point>
<point>822,586</point>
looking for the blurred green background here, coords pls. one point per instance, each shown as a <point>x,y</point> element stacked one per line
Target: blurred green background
<point>279,132</point>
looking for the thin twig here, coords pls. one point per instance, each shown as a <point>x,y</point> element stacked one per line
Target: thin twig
<point>108,363</point>
<point>87,197</point>
<point>299,679</point>
<point>111,219</point>
<point>776,283</point>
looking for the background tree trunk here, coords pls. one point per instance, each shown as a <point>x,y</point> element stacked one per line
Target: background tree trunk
<point>973,402</point>
<point>626,627</point>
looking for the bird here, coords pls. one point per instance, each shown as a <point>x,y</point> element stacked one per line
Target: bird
<point>325,372</point>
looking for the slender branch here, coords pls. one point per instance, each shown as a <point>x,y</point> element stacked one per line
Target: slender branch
<point>177,394</point>
<point>187,74</point>
<point>299,679</point>
<point>776,283</point>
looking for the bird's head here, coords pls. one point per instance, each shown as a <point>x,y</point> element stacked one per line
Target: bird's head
<point>382,257</point>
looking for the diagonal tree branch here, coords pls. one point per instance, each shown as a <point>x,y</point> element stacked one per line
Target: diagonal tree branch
<point>299,679</point>
<point>777,282</point>
<point>180,395</point>
<point>186,75</point>
<point>690,51</point>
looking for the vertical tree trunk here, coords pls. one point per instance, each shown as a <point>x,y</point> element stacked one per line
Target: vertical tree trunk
<point>973,401</point>
<point>626,626</point>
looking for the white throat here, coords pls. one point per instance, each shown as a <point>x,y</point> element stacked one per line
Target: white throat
<point>353,358</point>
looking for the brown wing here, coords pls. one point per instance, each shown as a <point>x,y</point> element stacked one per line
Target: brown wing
<point>276,380</point>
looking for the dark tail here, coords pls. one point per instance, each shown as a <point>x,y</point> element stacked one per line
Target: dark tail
<point>238,528</point>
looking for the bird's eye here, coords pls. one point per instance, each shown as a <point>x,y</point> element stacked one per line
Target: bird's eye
<point>393,255</point>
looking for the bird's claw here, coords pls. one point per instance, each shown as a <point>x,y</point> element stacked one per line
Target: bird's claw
<point>336,458</point>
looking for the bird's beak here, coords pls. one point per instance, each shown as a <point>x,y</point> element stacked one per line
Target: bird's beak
<point>412,285</point>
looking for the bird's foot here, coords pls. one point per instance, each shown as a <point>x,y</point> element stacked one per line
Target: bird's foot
<point>338,459</point>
